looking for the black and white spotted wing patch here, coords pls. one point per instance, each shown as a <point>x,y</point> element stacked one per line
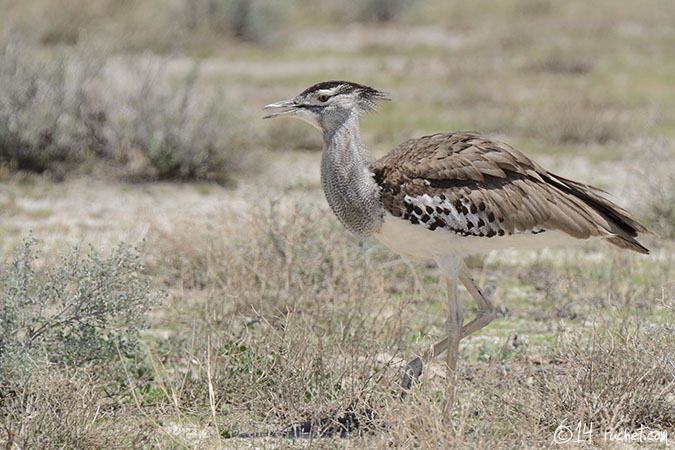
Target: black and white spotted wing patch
<point>460,216</point>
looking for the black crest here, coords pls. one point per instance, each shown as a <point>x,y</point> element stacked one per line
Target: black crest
<point>365,92</point>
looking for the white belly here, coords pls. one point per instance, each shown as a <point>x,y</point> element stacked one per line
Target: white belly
<point>416,242</point>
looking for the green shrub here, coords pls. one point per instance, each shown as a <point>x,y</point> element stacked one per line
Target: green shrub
<point>383,10</point>
<point>255,21</point>
<point>368,10</point>
<point>180,131</point>
<point>61,113</point>
<point>76,313</point>
<point>48,120</point>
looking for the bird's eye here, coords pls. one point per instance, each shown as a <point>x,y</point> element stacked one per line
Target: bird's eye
<point>322,98</point>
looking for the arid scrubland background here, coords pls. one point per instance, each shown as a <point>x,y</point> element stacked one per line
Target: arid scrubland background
<point>172,277</point>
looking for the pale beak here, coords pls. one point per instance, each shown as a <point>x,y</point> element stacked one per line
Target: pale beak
<point>290,103</point>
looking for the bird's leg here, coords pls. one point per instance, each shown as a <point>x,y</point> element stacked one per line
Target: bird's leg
<point>453,328</point>
<point>486,310</point>
<point>485,315</point>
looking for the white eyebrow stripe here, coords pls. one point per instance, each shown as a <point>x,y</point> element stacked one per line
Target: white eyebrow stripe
<point>331,92</point>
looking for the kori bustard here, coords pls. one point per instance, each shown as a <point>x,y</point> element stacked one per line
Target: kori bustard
<point>445,196</point>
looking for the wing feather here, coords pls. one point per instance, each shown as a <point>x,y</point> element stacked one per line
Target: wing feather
<point>471,185</point>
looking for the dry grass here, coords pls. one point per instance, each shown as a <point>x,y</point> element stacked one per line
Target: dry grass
<point>655,179</point>
<point>281,317</point>
<point>575,121</point>
<point>56,409</point>
<point>289,319</point>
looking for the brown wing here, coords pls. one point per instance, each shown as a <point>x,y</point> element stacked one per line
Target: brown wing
<point>474,186</point>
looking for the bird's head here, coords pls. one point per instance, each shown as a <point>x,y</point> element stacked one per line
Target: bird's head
<point>328,103</point>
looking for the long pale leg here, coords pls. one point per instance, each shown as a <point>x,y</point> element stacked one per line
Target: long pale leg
<point>453,328</point>
<point>485,315</point>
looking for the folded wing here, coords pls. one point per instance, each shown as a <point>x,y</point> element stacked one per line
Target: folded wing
<point>473,186</point>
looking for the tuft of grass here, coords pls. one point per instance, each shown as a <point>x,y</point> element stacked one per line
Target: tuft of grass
<point>656,173</point>
<point>576,121</point>
<point>273,308</point>
<point>284,135</point>
<point>624,376</point>
<point>55,409</point>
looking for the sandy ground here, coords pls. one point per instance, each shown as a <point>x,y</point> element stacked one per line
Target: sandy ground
<point>104,212</point>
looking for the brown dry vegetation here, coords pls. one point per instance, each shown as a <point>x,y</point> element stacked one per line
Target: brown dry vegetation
<point>276,315</point>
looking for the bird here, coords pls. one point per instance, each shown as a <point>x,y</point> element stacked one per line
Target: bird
<point>446,196</point>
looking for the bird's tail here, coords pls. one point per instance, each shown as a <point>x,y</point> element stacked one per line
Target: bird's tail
<point>624,228</point>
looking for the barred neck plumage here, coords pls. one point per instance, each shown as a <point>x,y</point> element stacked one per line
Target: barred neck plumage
<point>350,189</point>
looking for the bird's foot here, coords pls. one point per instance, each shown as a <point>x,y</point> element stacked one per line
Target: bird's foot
<point>412,373</point>
<point>335,425</point>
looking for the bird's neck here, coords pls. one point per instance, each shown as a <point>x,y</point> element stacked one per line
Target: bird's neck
<point>350,189</point>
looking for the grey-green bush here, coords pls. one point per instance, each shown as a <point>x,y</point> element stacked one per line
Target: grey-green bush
<point>177,131</point>
<point>47,115</point>
<point>63,112</point>
<point>383,10</point>
<point>257,21</point>
<point>79,312</point>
